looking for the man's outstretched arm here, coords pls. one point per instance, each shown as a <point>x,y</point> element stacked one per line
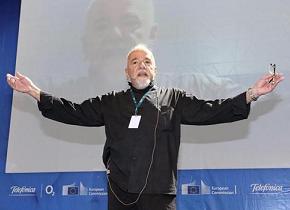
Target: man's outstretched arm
<point>206,112</point>
<point>87,113</point>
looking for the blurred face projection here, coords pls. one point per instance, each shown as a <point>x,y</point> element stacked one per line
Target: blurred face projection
<point>112,28</point>
<point>140,68</point>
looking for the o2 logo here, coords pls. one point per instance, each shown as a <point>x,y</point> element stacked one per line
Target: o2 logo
<point>49,190</point>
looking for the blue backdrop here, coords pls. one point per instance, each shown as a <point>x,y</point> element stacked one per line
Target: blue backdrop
<point>228,189</point>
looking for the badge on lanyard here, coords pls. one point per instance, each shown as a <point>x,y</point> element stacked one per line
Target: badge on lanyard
<point>134,122</point>
<point>135,119</point>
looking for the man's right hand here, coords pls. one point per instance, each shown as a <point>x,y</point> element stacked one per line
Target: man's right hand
<point>23,84</point>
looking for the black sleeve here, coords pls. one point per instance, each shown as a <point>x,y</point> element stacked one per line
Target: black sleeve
<point>202,112</point>
<point>88,113</point>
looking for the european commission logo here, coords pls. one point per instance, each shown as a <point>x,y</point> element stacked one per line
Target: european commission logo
<point>81,189</point>
<point>70,189</point>
<point>195,189</point>
<point>188,189</point>
<point>204,189</point>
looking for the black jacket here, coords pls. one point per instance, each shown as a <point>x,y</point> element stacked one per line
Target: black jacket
<point>128,152</point>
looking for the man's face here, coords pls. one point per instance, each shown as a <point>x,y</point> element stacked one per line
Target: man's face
<point>114,26</point>
<point>141,69</point>
<point>112,29</point>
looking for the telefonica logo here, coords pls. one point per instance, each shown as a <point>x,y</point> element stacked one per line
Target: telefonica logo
<point>268,189</point>
<point>22,191</point>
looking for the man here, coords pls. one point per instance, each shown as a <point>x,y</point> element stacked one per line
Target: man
<point>111,27</point>
<point>142,127</point>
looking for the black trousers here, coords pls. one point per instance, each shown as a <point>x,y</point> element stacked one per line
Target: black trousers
<point>145,202</point>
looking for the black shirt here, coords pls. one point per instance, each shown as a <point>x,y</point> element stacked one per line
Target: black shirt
<point>127,151</point>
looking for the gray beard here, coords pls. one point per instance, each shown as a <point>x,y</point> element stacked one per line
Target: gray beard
<point>141,84</point>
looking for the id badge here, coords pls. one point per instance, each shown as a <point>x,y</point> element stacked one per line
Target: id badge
<point>134,122</point>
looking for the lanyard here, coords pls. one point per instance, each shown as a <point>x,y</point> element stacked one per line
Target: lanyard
<point>137,105</point>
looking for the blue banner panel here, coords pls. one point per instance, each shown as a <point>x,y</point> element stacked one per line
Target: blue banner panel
<point>74,191</point>
<point>234,189</point>
<point>228,189</point>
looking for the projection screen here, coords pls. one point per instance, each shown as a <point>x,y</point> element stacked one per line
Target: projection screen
<point>212,49</point>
